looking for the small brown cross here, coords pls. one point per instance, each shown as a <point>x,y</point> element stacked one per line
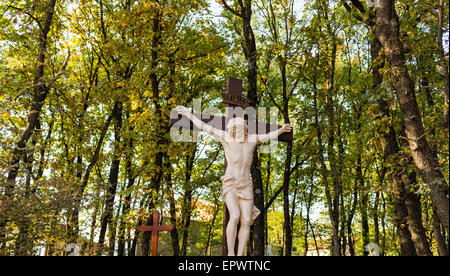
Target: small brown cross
<point>155,228</point>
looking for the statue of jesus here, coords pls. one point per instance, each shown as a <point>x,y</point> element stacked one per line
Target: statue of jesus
<point>237,185</point>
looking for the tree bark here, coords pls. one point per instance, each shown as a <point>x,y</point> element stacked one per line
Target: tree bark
<point>331,203</point>
<point>39,95</point>
<point>131,177</point>
<point>287,165</point>
<point>387,31</point>
<point>73,225</point>
<point>391,148</point>
<point>173,216</point>
<point>363,206</point>
<point>187,201</point>
<point>440,241</point>
<point>444,64</point>
<point>113,176</point>
<point>161,128</point>
<point>414,207</point>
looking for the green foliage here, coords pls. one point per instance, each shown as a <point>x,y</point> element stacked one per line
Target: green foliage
<point>152,55</point>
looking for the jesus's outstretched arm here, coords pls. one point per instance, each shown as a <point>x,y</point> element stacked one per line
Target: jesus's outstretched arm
<point>262,138</point>
<point>216,133</point>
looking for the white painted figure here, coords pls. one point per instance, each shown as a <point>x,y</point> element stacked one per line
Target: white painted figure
<point>237,185</point>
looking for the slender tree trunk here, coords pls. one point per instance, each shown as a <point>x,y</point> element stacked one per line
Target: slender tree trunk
<point>287,167</point>
<point>173,216</point>
<point>333,211</point>
<point>252,95</point>
<point>73,225</point>
<point>208,246</point>
<point>113,229</point>
<point>444,64</point>
<point>187,200</point>
<point>308,211</point>
<point>24,244</point>
<point>107,217</point>
<point>160,130</point>
<point>98,206</point>
<point>47,143</point>
<point>331,153</point>
<point>351,245</point>
<point>376,226</point>
<point>363,206</point>
<point>401,213</point>
<point>131,177</point>
<point>440,241</point>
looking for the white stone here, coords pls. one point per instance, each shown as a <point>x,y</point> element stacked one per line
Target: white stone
<point>237,185</point>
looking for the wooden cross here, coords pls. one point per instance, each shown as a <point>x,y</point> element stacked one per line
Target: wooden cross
<point>155,228</point>
<point>232,98</point>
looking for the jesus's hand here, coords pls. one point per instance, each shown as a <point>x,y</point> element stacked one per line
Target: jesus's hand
<point>287,128</point>
<point>183,110</point>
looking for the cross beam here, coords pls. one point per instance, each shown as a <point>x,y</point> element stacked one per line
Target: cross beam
<point>232,98</point>
<point>260,128</point>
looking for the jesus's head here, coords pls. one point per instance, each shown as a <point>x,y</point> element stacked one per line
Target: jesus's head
<point>238,129</point>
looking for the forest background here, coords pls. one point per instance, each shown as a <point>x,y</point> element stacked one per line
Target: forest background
<point>86,91</point>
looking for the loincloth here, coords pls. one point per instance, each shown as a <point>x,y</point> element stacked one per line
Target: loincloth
<point>241,188</point>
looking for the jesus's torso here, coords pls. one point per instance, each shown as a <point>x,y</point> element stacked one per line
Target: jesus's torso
<point>239,156</point>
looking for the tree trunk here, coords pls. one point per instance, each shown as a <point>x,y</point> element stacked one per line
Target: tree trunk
<point>376,226</point>
<point>363,207</point>
<point>390,149</point>
<point>387,32</point>
<point>440,241</point>
<point>39,95</point>
<point>131,177</point>
<point>160,130</point>
<point>413,205</point>
<point>444,65</point>
<point>351,244</point>
<point>308,211</point>
<point>287,167</point>
<point>73,225</point>
<point>331,203</point>
<point>187,200</point>
<point>252,95</point>
<point>113,176</point>
<point>173,216</point>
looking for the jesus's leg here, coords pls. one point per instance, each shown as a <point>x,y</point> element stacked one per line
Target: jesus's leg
<point>233,209</point>
<point>244,232</point>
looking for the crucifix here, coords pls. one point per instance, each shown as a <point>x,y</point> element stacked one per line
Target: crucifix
<point>155,228</point>
<point>239,142</point>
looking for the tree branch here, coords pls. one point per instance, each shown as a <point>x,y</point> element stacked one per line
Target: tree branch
<point>23,10</point>
<point>272,199</point>
<point>358,5</point>
<point>227,7</point>
<point>63,69</point>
